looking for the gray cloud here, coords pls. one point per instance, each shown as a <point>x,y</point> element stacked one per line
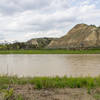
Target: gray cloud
<point>13,6</point>
<point>37,18</point>
<point>2,37</point>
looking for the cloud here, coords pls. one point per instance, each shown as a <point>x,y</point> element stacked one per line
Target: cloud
<point>2,36</point>
<point>51,33</point>
<point>24,19</point>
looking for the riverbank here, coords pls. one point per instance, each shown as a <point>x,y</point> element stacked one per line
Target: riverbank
<point>51,82</point>
<point>60,51</point>
<point>49,88</point>
<point>27,92</point>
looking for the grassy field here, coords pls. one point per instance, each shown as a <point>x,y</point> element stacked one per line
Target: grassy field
<point>50,52</point>
<point>51,82</point>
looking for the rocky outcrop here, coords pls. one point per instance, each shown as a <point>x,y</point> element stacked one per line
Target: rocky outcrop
<point>40,42</point>
<point>33,42</point>
<point>81,36</point>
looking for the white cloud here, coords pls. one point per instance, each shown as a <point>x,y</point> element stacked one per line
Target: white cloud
<point>51,33</point>
<point>24,19</point>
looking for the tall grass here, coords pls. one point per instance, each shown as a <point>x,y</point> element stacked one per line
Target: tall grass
<point>52,82</point>
<point>61,51</point>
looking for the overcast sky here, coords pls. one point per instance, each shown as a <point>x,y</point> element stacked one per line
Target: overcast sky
<point>25,19</point>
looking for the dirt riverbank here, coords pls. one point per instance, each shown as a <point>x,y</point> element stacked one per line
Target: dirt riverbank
<point>29,93</point>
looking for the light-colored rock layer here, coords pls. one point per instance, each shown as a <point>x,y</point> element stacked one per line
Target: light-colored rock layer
<point>81,35</point>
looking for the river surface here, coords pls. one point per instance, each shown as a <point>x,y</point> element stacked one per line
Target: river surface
<point>50,65</point>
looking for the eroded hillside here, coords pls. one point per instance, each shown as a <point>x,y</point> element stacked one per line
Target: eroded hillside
<point>81,35</point>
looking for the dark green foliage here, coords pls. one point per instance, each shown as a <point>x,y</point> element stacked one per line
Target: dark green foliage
<point>17,46</point>
<point>43,42</point>
<point>8,94</point>
<point>93,25</point>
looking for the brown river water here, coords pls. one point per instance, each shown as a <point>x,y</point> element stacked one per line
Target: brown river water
<point>50,65</point>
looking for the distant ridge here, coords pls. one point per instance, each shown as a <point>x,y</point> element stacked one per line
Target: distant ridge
<point>40,42</point>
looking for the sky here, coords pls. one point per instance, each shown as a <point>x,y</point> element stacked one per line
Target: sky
<point>21,20</point>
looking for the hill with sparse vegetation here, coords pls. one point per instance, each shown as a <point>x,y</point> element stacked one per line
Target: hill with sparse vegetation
<point>81,36</point>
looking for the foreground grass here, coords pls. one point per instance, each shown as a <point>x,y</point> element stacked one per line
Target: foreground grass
<point>97,96</point>
<point>50,51</point>
<point>48,82</point>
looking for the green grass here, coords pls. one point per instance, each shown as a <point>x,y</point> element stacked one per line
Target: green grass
<point>51,82</point>
<point>97,96</point>
<point>60,51</point>
<point>10,95</point>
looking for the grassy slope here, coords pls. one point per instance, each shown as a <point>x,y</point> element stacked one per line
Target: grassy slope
<point>50,52</point>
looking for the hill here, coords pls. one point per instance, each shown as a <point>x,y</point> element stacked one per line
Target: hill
<point>80,36</point>
<point>40,42</point>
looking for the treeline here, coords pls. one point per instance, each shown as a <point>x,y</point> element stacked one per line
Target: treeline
<point>17,46</point>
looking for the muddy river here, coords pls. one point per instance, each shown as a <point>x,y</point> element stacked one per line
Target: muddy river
<point>50,65</point>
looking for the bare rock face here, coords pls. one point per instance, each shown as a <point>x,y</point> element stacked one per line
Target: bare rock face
<point>33,42</point>
<point>81,35</point>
